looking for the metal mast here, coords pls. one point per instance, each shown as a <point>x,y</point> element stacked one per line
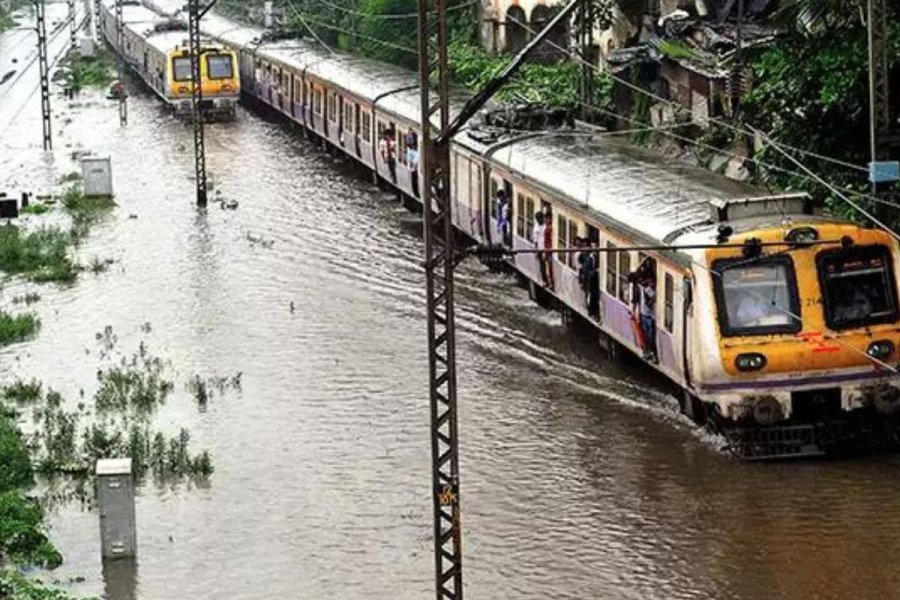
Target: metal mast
<point>120,43</point>
<point>879,92</point>
<point>440,261</point>
<point>195,13</point>
<point>439,264</point>
<point>586,24</point>
<point>44,69</point>
<point>73,28</point>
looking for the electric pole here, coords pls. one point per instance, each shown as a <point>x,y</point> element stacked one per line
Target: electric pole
<point>439,282</point>
<point>73,27</point>
<point>44,70</point>
<point>123,88</point>
<point>195,13</point>
<point>440,261</point>
<point>882,172</point>
<point>586,24</point>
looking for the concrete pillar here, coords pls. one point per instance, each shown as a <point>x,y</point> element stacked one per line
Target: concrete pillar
<point>115,501</point>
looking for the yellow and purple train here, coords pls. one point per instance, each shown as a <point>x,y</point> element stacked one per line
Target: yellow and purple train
<point>779,325</point>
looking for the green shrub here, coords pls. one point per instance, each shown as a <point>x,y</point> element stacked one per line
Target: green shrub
<point>17,328</point>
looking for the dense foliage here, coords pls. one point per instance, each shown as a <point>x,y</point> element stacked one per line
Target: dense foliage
<point>811,92</point>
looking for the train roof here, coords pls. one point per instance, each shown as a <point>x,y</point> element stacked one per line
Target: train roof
<point>362,77</point>
<point>633,189</point>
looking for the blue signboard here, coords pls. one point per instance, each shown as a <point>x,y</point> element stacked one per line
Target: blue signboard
<point>884,172</point>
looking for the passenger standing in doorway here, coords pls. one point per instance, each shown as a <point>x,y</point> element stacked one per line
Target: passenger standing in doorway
<point>501,212</point>
<point>412,160</point>
<point>537,238</point>
<point>588,276</point>
<point>548,246</point>
<point>645,303</point>
<point>387,148</point>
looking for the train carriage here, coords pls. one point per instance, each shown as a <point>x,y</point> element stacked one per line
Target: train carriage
<point>155,47</point>
<point>781,326</point>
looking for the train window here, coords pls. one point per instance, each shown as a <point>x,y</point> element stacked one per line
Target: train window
<point>611,260</point>
<point>298,91</point>
<point>520,215</point>
<point>669,292</point>
<point>317,102</point>
<point>858,288</point>
<point>366,131</point>
<point>529,219</point>
<point>573,234</point>
<point>756,299</point>
<point>219,66</point>
<point>181,68</point>
<point>562,232</point>
<point>348,116</point>
<point>624,270</point>
<point>332,107</point>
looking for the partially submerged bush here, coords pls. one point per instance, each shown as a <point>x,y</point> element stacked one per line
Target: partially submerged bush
<point>16,328</point>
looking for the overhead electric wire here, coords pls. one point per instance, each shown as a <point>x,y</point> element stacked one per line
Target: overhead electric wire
<point>674,104</point>
<point>392,16</point>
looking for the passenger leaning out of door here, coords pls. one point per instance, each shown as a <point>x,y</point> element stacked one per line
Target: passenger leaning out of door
<point>548,247</point>
<point>387,147</point>
<point>644,302</point>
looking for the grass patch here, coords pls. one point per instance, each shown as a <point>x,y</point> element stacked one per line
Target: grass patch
<point>35,208</point>
<point>91,72</point>
<point>41,255</point>
<point>85,210</point>
<point>23,392</point>
<point>16,328</point>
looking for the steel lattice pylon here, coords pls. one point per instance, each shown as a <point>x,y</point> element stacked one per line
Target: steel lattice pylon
<point>195,13</point>
<point>73,27</point>
<point>439,265</point>
<point>879,106</point>
<point>44,69</point>
<point>120,41</point>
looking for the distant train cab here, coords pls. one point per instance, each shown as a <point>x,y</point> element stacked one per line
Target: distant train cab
<point>221,88</point>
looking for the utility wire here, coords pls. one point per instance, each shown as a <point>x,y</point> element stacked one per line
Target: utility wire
<point>391,16</point>
<point>674,104</point>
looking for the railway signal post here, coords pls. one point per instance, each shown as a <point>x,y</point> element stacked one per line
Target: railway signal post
<point>440,261</point>
<point>44,69</point>
<point>195,13</point>
<point>120,41</point>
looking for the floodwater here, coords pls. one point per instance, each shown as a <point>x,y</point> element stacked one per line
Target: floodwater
<point>579,480</point>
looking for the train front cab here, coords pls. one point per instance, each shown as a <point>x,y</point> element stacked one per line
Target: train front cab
<point>220,81</point>
<point>801,346</point>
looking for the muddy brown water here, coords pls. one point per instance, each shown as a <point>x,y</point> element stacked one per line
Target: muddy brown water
<point>579,480</point>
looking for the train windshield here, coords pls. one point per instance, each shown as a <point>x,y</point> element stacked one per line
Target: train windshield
<point>219,66</point>
<point>858,287</point>
<point>757,298</point>
<point>181,68</point>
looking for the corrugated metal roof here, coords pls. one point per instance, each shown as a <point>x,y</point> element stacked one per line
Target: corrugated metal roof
<point>637,189</point>
<point>631,188</point>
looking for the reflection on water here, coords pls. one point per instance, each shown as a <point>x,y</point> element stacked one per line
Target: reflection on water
<point>579,480</point>
<point>120,579</point>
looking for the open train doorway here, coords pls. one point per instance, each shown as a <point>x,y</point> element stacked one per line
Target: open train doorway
<point>591,274</point>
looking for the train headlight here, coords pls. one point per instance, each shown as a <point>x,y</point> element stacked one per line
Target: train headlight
<point>881,349</point>
<point>226,87</point>
<point>750,362</point>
